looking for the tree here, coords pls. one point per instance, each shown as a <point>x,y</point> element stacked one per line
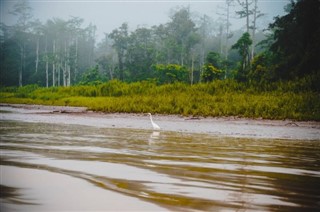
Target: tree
<point>228,35</point>
<point>171,73</point>
<point>34,53</point>
<point>37,30</point>
<point>182,34</point>
<point>9,57</point>
<point>204,30</point>
<point>214,59</point>
<point>256,14</point>
<point>245,12</point>
<point>92,76</point>
<point>23,12</point>
<point>141,54</point>
<point>106,57</point>
<point>212,68</point>
<point>261,69</point>
<point>75,32</point>
<point>120,38</point>
<point>296,40</point>
<point>243,47</point>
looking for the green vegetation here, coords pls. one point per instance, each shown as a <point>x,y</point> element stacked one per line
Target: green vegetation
<point>156,65</point>
<point>289,100</point>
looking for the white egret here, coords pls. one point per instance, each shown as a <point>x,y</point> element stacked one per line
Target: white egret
<point>154,125</point>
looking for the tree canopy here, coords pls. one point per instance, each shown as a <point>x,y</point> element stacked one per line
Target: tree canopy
<point>187,48</point>
<point>297,40</point>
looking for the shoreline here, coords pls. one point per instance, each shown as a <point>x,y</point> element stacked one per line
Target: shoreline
<point>84,110</point>
<point>220,126</point>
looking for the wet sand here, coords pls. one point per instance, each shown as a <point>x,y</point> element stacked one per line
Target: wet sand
<point>225,126</point>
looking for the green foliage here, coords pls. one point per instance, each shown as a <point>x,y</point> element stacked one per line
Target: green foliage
<point>261,68</point>
<point>171,73</point>
<point>91,77</point>
<point>25,90</point>
<point>243,47</point>
<point>281,100</point>
<point>296,40</point>
<point>212,69</point>
<point>214,59</point>
<point>209,73</point>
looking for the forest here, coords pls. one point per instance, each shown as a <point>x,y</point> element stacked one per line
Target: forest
<point>60,60</point>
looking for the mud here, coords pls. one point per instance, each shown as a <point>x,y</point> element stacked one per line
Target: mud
<point>225,126</point>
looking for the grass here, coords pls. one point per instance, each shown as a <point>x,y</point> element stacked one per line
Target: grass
<point>290,100</point>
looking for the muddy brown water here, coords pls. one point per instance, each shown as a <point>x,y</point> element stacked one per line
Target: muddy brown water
<point>56,166</point>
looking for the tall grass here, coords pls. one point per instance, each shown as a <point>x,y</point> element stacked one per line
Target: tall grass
<point>282,100</point>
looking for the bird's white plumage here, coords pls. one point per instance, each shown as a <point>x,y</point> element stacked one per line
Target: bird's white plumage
<point>154,125</point>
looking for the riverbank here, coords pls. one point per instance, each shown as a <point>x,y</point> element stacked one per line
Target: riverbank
<point>223,126</point>
<point>277,101</point>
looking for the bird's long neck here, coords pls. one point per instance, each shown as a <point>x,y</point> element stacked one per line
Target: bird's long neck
<point>151,118</point>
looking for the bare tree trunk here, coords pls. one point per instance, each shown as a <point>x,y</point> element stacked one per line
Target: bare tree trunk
<point>68,73</point>
<point>37,55</point>
<point>69,76</point>
<point>192,65</point>
<point>47,64</point>
<point>227,38</point>
<point>76,61</point>
<point>64,74</point>
<point>53,64</point>
<point>120,58</point>
<point>111,71</point>
<point>220,38</point>
<point>59,65</point>
<point>47,74</point>
<point>21,65</point>
<point>247,12</point>
<point>65,65</point>
<point>228,27</point>
<point>254,28</point>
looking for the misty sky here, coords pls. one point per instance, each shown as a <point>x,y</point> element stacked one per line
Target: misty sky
<point>110,14</point>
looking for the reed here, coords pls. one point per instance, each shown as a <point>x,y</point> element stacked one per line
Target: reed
<point>281,100</point>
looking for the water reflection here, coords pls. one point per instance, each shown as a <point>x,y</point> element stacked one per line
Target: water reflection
<point>154,137</point>
<point>156,170</point>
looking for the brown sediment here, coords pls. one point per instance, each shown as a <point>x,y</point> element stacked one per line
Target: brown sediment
<point>222,126</point>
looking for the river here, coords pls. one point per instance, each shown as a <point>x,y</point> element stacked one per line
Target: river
<point>50,165</point>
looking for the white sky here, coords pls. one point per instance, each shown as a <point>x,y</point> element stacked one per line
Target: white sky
<point>110,14</point>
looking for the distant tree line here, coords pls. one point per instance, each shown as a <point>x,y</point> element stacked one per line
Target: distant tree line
<point>54,53</point>
<point>187,48</point>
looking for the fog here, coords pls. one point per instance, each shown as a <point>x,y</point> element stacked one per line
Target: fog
<point>107,15</point>
<point>66,42</point>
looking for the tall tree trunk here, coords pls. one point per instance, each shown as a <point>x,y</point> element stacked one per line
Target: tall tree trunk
<point>120,57</point>
<point>54,64</point>
<point>220,38</point>
<point>247,13</point>
<point>68,72</point>
<point>65,65</point>
<point>37,54</point>
<point>192,65</point>
<point>227,39</point>
<point>75,61</point>
<point>47,64</point>
<point>111,71</point>
<point>59,65</point>
<point>21,65</point>
<point>47,74</point>
<point>69,76</point>
<point>254,28</point>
